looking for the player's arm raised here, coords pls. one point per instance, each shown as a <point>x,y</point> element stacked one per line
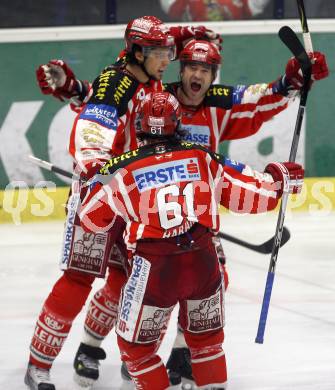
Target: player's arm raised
<point>252,105</point>
<point>245,190</point>
<point>56,78</point>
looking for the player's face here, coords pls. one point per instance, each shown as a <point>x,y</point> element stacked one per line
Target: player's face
<point>157,61</point>
<point>196,80</point>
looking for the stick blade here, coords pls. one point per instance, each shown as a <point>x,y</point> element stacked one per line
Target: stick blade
<point>268,245</point>
<point>292,42</point>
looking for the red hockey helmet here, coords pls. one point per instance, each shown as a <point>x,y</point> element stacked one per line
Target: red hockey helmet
<point>147,31</point>
<point>159,114</point>
<point>203,52</point>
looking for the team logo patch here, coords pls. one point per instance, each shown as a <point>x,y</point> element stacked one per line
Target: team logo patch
<point>197,134</point>
<point>205,314</point>
<point>142,25</point>
<point>103,114</point>
<point>89,252</point>
<point>53,323</point>
<point>159,175</point>
<point>152,322</point>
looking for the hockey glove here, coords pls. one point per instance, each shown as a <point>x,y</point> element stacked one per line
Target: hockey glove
<point>289,176</point>
<point>293,73</point>
<point>183,34</point>
<point>57,79</point>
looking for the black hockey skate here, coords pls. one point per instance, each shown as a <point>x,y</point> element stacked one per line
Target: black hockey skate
<point>38,378</point>
<point>180,369</point>
<point>86,364</point>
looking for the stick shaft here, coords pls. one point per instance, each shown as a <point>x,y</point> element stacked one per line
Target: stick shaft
<point>304,25</point>
<point>281,216</point>
<point>50,167</point>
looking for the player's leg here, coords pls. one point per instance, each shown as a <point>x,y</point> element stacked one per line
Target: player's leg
<point>53,325</point>
<point>179,362</point>
<point>100,320</point>
<point>102,313</point>
<point>146,305</point>
<point>67,296</point>
<point>202,318</point>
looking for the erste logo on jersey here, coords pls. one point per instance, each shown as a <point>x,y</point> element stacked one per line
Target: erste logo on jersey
<point>167,173</point>
<point>197,134</point>
<point>103,114</point>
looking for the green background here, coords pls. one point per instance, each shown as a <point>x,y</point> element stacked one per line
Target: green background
<point>247,59</point>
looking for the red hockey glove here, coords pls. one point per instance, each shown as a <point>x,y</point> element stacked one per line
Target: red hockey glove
<point>293,72</point>
<point>183,34</point>
<point>57,79</point>
<point>289,176</point>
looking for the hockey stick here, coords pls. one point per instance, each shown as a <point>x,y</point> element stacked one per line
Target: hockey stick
<point>264,248</point>
<point>290,39</point>
<point>50,167</point>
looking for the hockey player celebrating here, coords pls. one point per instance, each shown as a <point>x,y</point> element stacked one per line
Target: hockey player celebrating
<point>168,193</point>
<point>111,107</point>
<point>210,114</point>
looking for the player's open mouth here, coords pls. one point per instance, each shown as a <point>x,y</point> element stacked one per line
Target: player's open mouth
<point>195,87</point>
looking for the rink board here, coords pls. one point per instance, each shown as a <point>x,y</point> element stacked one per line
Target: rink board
<point>39,204</point>
<point>31,123</point>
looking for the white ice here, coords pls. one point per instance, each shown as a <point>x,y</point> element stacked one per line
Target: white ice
<point>299,345</point>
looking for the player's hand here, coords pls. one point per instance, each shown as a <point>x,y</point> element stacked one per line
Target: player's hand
<point>183,34</point>
<point>293,71</point>
<point>201,32</point>
<point>289,176</point>
<point>57,79</point>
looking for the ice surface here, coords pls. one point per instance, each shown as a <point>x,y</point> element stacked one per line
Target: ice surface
<point>299,345</point>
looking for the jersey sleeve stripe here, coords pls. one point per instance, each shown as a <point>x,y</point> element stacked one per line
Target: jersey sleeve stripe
<point>213,203</point>
<point>265,107</point>
<point>124,193</point>
<point>140,230</point>
<point>214,118</point>
<point>224,122</point>
<point>127,128</point>
<point>250,187</point>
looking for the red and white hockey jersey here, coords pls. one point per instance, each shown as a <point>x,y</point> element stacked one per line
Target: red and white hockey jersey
<point>106,124</point>
<point>229,113</point>
<point>161,190</point>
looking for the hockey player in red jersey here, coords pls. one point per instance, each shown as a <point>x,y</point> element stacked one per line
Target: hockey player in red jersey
<point>110,109</point>
<point>220,112</point>
<point>168,193</point>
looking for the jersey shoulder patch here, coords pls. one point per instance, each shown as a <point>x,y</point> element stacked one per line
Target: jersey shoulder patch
<point>227,162</point>
<point>115,88</point>
<point>120,161</point>
<point>220,96</point>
